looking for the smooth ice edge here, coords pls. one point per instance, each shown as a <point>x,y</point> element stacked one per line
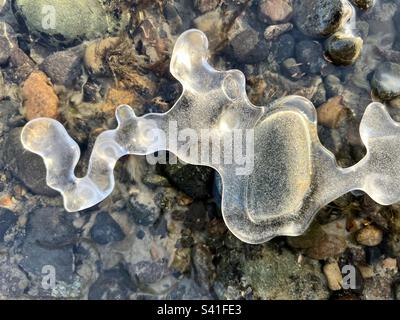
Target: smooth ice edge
<point>210,98</point>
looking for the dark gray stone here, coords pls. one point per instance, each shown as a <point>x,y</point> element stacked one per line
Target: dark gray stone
<point>49,241</point>
<point>141,214</point>
<point>283,48</point>
<point>320,18</point>
<point>113,284</point>
<point>249,46</point>
<point>196,216</point>
<point>195,181</point>
<point>7,220</point>
<point>36,257</point>
<point>51,227</point>
<point>63,67</point>
<point>106,230</point>
<point>311,55</point>
<point>26,166</point>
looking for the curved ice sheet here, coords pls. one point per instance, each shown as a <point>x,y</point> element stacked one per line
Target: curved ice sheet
<point>276,174</point>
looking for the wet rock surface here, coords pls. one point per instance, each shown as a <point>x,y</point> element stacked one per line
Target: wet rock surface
<point>321,18</point>
<point>27,166</point>
<point>343,49</point>
<point>106,229</point>
<point>61,21</point>
<point>161,233</point>
<point>384,81</point>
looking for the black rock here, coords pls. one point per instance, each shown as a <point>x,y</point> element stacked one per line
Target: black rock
<point>36,258</point>
<point>7,220</point>
<point>249,46</point>
<point>196,216</point>
<point>49,240</point>
<point>321,18</point>
<point>159,228</point>
<point>195,181</point>
<point>283,47</point>
<point>311,55</point>
<point>26,166</point>
<point>372,255</point>
<point>51,227</point>
<point>106,230</point>
<point>141,214</point>
<point>63,67</point>
<point>112,284</point>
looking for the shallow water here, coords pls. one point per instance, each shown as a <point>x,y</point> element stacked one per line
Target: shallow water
<point>163,235</point>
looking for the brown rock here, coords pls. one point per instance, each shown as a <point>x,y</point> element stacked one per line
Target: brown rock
<point>116,97</point>
<point>318,244</point>
<point>276,10</point>
<point>329,246</point>
<point>95,54</point>
<point>332,113</point>
<point>369,236</point>
<point>333,276</point>
<point>40,99</point>
<point>366,271</point>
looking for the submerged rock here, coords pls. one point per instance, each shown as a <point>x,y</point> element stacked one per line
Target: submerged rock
<point>369,236</point>
<point>274,31</point>
<point>40,99</point>
<point>106,230</point>
<point>7,220</point>
<point>67,21</point>
<point>195,181</point>
<point>249,46</point>
<point>278,275</point>
<point>333,275</point>
<point>364,4</point>
<point>321,18</point>
<point>63,67</point>
<point>27,166</point>
<point>343,49</point>
<point>49,242</point>
<point>332,113</point>
<point>385,82</point>
<point>310,55</point>
<point>275,10</point>
<point>112,284</point>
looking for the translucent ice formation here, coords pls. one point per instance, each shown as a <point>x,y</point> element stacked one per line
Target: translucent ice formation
<point>292,175</point>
